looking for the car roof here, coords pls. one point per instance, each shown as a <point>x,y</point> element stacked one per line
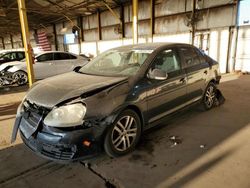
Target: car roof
<point>41,53</point>
<point>5,52</point>
<point>149,46</point>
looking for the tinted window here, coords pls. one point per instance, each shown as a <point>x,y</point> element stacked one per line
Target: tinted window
<point>191,57</point>
<point>167,61</point>
<point>20,55</point>
<point>10,56</point>
<point>72,56</point>
<point>45,57</point>
<point>61,56</point>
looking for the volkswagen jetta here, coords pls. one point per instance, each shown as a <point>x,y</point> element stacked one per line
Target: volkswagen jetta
<point>108,103</point>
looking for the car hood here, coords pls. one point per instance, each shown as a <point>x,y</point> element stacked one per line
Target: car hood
<point>13,63</point>
<point>54,90</point>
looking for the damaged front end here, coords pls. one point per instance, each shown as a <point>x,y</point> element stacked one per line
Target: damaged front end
<point>6,78</point>
<point>63,144</point>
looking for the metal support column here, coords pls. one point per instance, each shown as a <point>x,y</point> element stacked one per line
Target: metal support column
<point>122,24</point>
<point>55,36</point>
<point>193,21</point>
<point>26,40</point>
<point>11,41</point>
<point>99,25</point>
<point>79,37</point>
<point>135,21</point>
<point>152,19</point>
<point>3,43</point>
<point>81,27</point>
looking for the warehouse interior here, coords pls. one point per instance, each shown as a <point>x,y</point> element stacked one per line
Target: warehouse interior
<point>195,148</point>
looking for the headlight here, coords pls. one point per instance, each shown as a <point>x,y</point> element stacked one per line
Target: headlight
<point>66,116</point>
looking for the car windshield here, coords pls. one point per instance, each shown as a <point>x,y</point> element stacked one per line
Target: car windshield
<point>116,63</point>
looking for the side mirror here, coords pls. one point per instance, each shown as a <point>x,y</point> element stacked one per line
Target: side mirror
<point>157,74</point>
<point>76,69</point>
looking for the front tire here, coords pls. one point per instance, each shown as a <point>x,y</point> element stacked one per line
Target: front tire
<point>123,135</point>
<point>20,77</point>
<point>209,96</point>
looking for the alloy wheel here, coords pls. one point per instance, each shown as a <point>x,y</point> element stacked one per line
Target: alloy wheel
<point>20,77</point>
<point>210,95</point>
<point>124,133</point>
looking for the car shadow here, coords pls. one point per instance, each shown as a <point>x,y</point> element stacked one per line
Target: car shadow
<point>8,109</point>
<point>13,89</point>
<point>157,157</point>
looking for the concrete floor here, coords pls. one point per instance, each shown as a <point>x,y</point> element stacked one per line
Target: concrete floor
<point>214,150</point>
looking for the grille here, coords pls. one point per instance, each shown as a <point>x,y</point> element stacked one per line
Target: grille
<point>33,113</point>
<point>56,152</point>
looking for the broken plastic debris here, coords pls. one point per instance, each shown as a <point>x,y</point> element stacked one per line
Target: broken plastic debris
<point>202,146</point>
<point>219,99</point>
<point>175,141</point>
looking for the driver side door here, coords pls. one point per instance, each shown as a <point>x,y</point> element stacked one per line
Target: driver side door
<point>165,96</point>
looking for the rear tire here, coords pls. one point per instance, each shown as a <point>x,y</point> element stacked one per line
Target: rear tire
<point>21,77</point>
<point>209,96</point>
<point>123,134</point>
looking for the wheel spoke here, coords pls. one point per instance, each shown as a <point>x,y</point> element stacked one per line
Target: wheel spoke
<point>117,139</point>
<point>131,135</point>
<point>127,121</point>
<point>128,141</point>
<point>124,143</point>
<point>118,144</point>
<point>121,125</point>
<point>132,130</point>
<point>130,123</point>
<point>118,130</point>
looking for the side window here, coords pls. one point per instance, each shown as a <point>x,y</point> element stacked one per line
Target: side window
<point>13,56</point>
<point>72,56</point>
<point>191,57</point>
<point>45,57</point>
<point>61,56</point>
<point>167,61</point>
<point>10,56</point>
<point>20,55</point>
<point>202,56</point>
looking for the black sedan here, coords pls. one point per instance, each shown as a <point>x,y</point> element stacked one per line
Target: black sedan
<point>108,103</point>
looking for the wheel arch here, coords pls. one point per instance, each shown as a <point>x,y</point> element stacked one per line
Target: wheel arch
<point>132,107</point>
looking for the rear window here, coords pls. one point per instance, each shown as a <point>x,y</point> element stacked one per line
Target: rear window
<point>191,57</point>
<point>72,56</point>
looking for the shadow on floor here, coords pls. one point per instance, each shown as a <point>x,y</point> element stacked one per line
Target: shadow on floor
<point>156,159</point>
<point>13,89</point>
<point>8,109</point>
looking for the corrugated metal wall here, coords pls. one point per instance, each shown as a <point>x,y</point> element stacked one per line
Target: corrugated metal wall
<point>215,30</point>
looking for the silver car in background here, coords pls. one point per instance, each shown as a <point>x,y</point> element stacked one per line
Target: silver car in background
<point>46,64</point>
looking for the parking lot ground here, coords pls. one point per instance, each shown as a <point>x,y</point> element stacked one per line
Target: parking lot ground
<point>193,149</point>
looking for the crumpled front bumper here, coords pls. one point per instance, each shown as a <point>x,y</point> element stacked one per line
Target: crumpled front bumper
<point>59,145</point>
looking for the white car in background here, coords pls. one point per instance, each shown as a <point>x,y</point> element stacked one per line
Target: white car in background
<point>46,64</point>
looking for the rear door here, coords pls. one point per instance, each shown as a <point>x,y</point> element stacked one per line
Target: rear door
<point>62,63</point>
<point>196,71</point>
<point>43,66</point>
<point>166,96</point>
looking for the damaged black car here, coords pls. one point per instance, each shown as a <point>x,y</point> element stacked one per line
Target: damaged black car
<point>108,103</point>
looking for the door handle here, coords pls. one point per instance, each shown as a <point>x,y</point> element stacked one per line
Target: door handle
<point>205,72</point>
